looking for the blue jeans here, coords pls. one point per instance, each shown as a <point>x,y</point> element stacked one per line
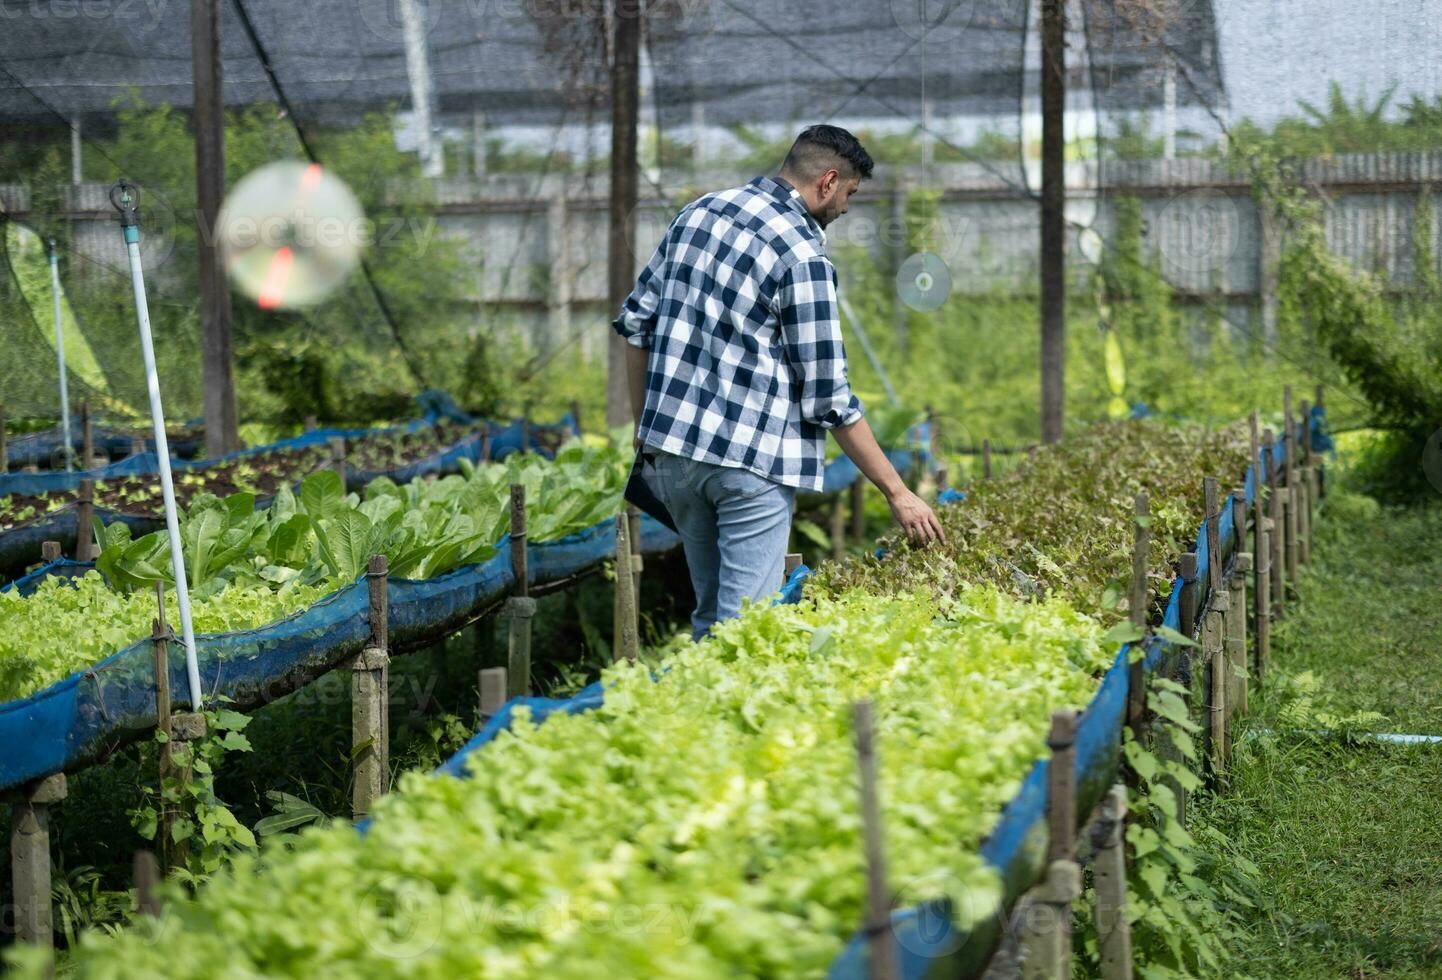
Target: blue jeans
<point>734,527</point>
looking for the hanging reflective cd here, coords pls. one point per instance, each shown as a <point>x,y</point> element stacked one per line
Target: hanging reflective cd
<point>1092,245</point>
<point>923,282</point>
<point>290,233</point>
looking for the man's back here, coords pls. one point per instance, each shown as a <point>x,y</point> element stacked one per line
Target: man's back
<point>738,308</point>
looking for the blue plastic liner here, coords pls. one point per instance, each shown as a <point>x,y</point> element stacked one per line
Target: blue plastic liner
<point>44,448</point>
<point>83,717</point>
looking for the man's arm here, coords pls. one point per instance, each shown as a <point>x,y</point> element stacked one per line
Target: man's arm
<point>636,362</point>
<point>910,511</point>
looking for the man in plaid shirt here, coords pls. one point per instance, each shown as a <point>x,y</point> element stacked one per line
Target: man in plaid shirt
<point>737,371</point>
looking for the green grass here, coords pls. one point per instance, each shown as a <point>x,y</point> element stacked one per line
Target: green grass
<point>1347,832</point>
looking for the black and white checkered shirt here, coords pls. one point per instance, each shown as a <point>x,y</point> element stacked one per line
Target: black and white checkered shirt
<point>738,309</point>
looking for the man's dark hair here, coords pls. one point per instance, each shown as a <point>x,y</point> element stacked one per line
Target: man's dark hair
<point>820,148</point>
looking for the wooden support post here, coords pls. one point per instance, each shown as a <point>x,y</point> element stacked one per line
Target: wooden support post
<point>1291,502</point>
<point>1214,656</point>
<point>1109,873</point>
<point>311,423</point>
<point>337,458</point>
<point>137,446</point>
<point>633,526</point>
<point>838,527</point>
<point>1046,940</point>
<point>147,881</point>
<point>160,645</point>
<point>484,455</point>
<point>858,510</point>
<point>1061,786</point>
<point>986,459</point>
<point>1239,670</point>
<point>1320,471</point>
<point>50,551</point>
<point>1187,602</point>
<point>576,415</point>
<point>793,562</point>
<point>1137,604</point>
<point>624,645</point>
<point>493,692</point>
<point>4,443</point>
<point>186,727</point>
<point>1214,535</point>
<point>882,958</point>
<point>370,699</point>
<point>87,439</point>
<point>1277,531</point>
<point>520,607</point>
<point>30,859</point>
<point>84,520</point>
<point>1262,596</point>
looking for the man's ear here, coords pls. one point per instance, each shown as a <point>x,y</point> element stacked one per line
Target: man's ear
<point>829,180</point>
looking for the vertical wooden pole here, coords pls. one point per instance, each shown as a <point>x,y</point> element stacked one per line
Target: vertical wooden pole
<point>1309,485</point>
<point>1047,937</point>
<point>493,692</point>
<point>1214,537</point>
<point>986,459</point>
<point>1109,872</point>
<point>1321,474</point>
<point>147,881</point>
<point>215,320</point>
<point>1053,219</point>
<point>337,458</point>
<point>838,527</point>
<point>882,958</point>
<point>1291,502</point>
<point>576,415</point>
<point>311,423</point>
<point>370,707</point>
<point>4,443</point>
<point>87,439</point>
<point>84,522</point>
<point>49,551</point>
<point>1213,652</point>
<point>1187,602</point>
<point>30,859</point>
<point>620,256</point>
<point>858,509</point>
<point>1238,669</point>
<point>1137,604</point>
<point>1262,597</point>
<point>520,607</point>
<point>625,644</point>
<point>1277,530</point>
<point>793,562</point>
<point>160,644</point>
<point>633,527</point>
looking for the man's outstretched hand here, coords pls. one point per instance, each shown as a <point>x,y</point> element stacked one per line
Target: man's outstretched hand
<point>915,518</point>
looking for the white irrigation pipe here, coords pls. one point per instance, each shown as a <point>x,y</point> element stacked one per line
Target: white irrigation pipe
<point>124,196</point>
<point>60,354</point>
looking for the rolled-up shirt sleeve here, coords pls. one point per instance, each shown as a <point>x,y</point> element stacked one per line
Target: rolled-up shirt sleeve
<point>811,336</point>
<point>637,321</point>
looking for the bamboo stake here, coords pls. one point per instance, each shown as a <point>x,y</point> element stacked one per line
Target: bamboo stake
<point>4,443</point>
<point>1321,474</point>
<point>986,459</point>
<point>1137,610</point>
<point>1061,786</point>
<point>30,859</point>
<point>1046,941</point>
<point>624,644</point>
<point>881,945</point>
<point>793,562</point>
<point>1109,872</point>
<point>370,707</point>
<point>1291,502</point>
<point>49,551</point>
<point>147,881</point>
<point>633,526</point>
<point>160,643</point>
<point>87,438</point>
<point>493,692</point>
<point>1187,603</point>
<point>1214,536</point>
<point>84,520</point>
<point>1237,618</point>
<point>838,528</point>
<point>1262,599</point>
<point>520,607</point>
<point>1213,650</point>
<point>337,458</point>
<point>1277,564</point>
